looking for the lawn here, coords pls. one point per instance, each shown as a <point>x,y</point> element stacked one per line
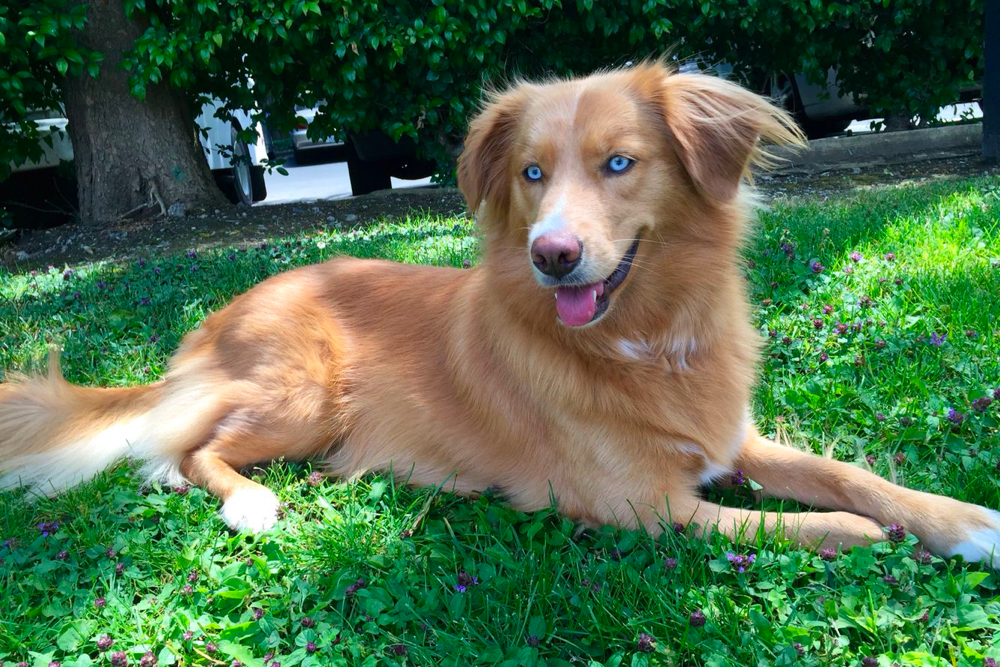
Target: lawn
<point>880,311</point>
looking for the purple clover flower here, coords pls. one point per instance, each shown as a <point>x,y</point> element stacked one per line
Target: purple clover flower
<point>982,403</point>
<point>737,477</point>
<point>697,619</point>
<point>354,588</point>
<point>938,341</point>
<point>104,642</point>
<point>816,267</point>
<point>955,417</point>
<point>741,562</point>
<point>47,528</point>
<point>856,256</point>
<point>465,580</point>
<point>645,643</point>
<point>828,554</point>
<point>896,533</point>
<point>147,660</point>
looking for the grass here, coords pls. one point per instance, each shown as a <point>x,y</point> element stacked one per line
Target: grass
<point>369,573</point>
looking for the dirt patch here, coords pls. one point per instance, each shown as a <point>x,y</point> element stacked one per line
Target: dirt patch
<point>73,243</point>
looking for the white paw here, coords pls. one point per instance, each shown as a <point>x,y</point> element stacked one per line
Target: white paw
<point>983,543</point>
<point>253,510</point>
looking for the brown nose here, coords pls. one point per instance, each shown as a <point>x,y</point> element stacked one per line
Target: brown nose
<point>556,254</point>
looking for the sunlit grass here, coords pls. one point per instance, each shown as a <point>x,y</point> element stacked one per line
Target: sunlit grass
<point>372,573</point>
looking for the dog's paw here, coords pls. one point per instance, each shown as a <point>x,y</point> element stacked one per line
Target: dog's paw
<point>253,510</point>
<point>982,541</point>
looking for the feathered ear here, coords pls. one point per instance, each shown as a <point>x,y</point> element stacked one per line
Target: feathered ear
<point>719,129</point>
<point>484,166</point>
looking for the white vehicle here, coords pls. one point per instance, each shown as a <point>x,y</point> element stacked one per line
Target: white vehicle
<point>242,183</point>
<point>301,143</point>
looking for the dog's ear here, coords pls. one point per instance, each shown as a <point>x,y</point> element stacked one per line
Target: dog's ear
<point>484,165</point>
<point>719,128</point>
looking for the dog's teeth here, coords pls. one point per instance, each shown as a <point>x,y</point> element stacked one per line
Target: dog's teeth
<point>593,293</point>
<point>556,295</point>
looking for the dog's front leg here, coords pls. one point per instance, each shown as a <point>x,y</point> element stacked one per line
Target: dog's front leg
<point>947,527</point>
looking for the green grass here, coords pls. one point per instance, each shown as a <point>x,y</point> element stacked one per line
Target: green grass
<point>177,584</point>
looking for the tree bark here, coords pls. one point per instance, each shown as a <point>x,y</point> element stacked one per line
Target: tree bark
<point>132,156</point>
<point>991,83</point>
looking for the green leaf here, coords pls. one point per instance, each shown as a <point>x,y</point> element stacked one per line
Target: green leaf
<point>241,653</point>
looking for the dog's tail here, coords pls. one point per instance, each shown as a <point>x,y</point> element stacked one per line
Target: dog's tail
<point>55,435</point>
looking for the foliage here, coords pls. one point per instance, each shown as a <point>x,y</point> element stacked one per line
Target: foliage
<point>37,49</point>
<point>374,574</point>
<point>416,68</point>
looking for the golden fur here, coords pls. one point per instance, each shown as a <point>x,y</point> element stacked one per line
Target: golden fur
<point>470,376</point>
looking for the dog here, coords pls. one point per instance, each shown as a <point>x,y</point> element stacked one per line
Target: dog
<point>600,354</point>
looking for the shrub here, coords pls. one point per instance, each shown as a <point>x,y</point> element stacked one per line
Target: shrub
<point>416,68</point>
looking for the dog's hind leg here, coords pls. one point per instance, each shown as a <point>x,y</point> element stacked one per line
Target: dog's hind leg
<point>946,526</point>
<point>246,505</point>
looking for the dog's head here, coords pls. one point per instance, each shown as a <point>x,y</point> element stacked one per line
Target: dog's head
<point>580,173</point>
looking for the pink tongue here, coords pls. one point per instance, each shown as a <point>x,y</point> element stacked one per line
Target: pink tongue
<point>576,305</point>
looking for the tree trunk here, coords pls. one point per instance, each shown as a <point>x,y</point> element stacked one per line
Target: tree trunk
<point>132,156</point>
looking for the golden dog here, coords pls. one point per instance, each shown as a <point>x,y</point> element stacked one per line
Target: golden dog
<point>601,354</point>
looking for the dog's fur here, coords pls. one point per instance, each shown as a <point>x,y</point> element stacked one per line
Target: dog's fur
<point>470,375</point>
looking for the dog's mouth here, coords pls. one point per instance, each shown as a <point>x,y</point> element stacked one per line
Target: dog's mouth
<point>578,305</point>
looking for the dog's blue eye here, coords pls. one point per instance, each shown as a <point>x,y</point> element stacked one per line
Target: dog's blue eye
<point>619,163</point>
<point>533,173</point>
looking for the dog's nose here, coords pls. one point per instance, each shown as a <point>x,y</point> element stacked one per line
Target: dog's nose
<point>556,254</point>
